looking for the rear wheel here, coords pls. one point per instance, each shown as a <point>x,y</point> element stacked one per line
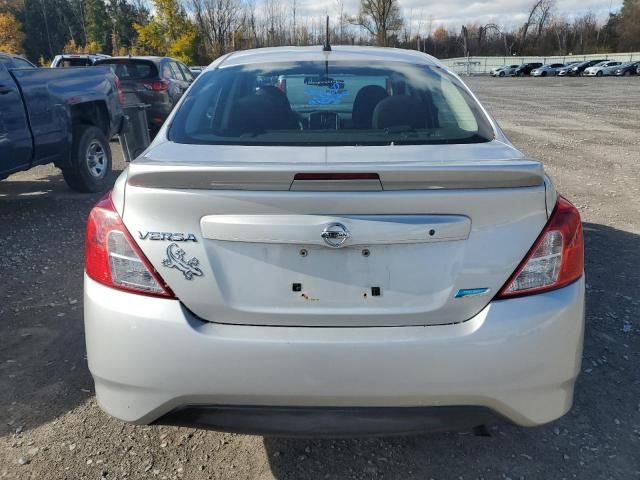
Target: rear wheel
<point>90,160</point>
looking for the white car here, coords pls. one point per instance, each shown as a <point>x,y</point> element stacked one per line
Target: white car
<point>333,242</point>
<point>504,71</point>
<point>76,60</point>
<point>599,70</point>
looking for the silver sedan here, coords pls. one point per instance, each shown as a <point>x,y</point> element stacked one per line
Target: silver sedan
<point>550,70</point>
<point>335,242</point>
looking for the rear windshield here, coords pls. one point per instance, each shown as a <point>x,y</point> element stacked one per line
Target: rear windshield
<point>74,62</point>
<point>329,103</point>
<point>128,69</point>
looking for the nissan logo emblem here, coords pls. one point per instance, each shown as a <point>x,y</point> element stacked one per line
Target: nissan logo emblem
<point>335,235</point>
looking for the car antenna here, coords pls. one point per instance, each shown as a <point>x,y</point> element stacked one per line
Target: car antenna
<point>327,43</point>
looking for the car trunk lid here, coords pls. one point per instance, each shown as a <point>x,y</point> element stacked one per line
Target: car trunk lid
<point>428,238</point>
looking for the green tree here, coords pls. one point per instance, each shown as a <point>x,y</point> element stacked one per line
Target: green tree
<point>628,27</point>
<point>124,15</point>
<point>96,22</point>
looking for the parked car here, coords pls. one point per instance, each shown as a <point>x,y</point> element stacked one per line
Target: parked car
<point>598,70</point>
<point>156,81</point>
<point>195,71</point>
<point>525,69</point>
<point>550,70</point>
<point>611,70</point>
<point>504,70</point>
<point>567,69</point>
<point>12,61</point>
<point>577,69</point>
<point>298,253</point>
<point>60,116</point>
<point>627,69</point>
<point>76,60</point>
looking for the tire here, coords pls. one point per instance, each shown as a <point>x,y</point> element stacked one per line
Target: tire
<point>627,73</point>
<point>90,160</point>
<point>501,74</point>
<point>519,74</point>
<point>544,74</point>
<point>599,73</point>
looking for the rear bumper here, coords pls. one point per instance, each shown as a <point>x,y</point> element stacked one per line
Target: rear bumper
<point>517,358</point>
<point>330,421</point>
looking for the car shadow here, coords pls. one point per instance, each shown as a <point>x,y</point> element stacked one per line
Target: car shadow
<point>43,371</point>
<point>607,394</point>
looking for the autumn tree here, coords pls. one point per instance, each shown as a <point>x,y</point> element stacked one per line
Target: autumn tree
<point>380,18</point>
<point>11,34</point>
<point>169,32</point>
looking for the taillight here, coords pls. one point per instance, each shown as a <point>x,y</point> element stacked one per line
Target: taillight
<point>556,258</point>
<point>157,86</point>
<point>113,258</point>
<point>119,90</point>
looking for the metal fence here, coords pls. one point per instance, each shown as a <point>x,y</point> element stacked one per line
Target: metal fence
<point>483,65</point>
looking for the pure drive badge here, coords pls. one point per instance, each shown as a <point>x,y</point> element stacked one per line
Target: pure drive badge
<point>168,236</point>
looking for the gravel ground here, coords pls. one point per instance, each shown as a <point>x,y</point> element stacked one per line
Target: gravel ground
<point>587,131</point>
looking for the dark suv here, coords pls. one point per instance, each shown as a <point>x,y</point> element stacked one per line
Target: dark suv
<point>156,81</point>
<point>525,69</point>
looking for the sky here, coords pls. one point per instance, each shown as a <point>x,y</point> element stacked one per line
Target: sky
<point>452,14</point>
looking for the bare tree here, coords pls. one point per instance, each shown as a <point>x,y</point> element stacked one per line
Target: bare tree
<point>217,21</point>
<point>341,20</point>
<point>294,38</point>
<point>539,15</point>
<point>380,18</point>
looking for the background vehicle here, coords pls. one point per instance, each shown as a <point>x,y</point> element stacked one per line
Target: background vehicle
<point>627,69</point>
<point>504,70</point>
<point>64,116</point>
<point>566,70</point>
<point>196,70</point>
<point>11,61</point>
<point>550,70</point>
<point>76,60</point>
<point>598,70</point>
<point>611,70</point>
<point>578,68</point>
<point>156,81</point>
<point>525,69</point>
<point>316,195</point>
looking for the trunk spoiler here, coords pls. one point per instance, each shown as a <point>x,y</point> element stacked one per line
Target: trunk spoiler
<point>343,177</point>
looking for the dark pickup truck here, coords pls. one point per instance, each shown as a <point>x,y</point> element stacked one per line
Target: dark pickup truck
<point>65,116</point>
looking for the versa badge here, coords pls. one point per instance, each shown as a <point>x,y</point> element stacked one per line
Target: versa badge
<point>175,259</point>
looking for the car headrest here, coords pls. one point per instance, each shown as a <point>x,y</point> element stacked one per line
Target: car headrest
<point>400,111</point>
<point>365,102</point>
<point>254,113</point>
<point>277,95</point>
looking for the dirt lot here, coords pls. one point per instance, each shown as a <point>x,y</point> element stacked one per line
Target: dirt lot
<point>587,131</point>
